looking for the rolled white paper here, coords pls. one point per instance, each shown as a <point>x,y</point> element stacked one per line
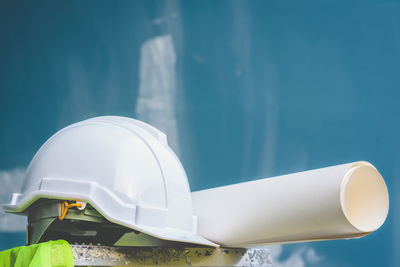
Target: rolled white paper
<point>344,201</point>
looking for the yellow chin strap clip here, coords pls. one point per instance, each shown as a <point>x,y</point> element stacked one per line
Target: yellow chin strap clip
<point>65,206</point>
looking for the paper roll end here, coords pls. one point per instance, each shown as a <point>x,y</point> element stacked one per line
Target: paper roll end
<point>364,197</point>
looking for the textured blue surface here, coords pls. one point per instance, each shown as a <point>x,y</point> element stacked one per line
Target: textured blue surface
<point>260,88</point>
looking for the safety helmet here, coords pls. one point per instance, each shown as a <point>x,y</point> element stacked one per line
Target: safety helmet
<point>120,170</point>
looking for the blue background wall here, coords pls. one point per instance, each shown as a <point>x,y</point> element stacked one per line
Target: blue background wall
<point>244,90</point>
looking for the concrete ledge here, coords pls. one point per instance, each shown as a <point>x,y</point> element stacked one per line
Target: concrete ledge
<point>89,255</point>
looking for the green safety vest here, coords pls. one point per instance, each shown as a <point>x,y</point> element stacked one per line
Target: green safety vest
<point>49,254</point>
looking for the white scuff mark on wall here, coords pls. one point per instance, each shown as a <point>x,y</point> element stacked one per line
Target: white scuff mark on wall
<point>300,257</point>
<point>78,100</point>
<point>260,92</point>
<point>312,257</point>
<point>157,89</point>
<point>11,182</point>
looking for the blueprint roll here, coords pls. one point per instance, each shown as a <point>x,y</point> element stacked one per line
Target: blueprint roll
<point>344,201</point>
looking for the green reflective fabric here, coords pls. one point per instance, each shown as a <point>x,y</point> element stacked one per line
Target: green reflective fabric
<point>49,254</point>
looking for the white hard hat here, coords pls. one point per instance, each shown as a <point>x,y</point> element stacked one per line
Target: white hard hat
<point>122,167</point>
